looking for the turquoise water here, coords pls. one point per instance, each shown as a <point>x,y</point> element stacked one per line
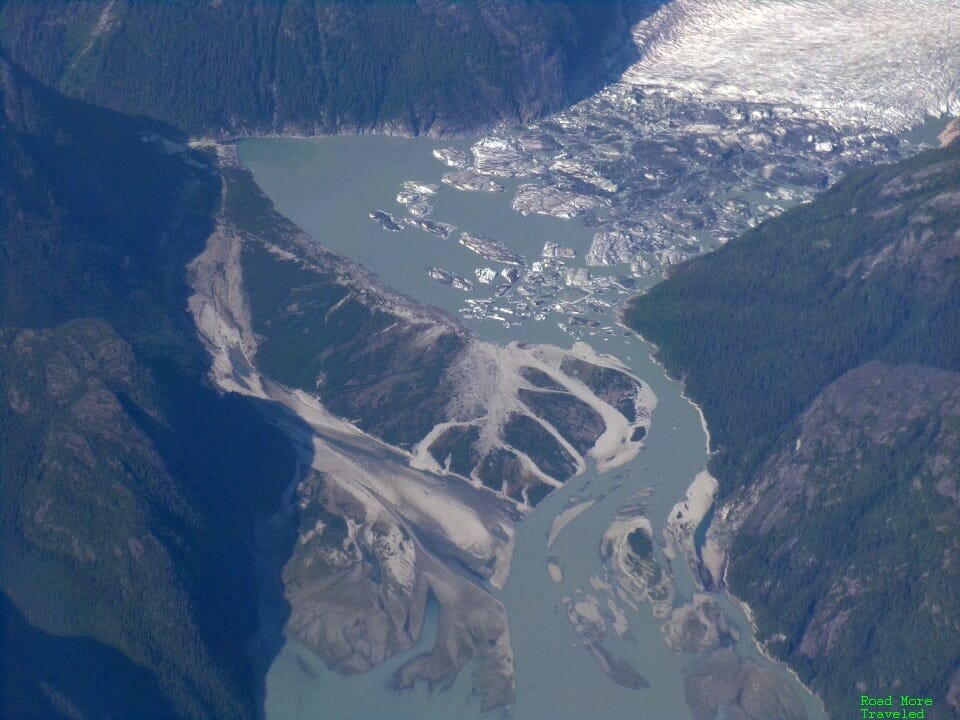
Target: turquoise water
<point>328,186</point>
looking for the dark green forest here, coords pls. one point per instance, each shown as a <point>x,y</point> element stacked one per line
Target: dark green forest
<point>824,350</point>
<point>308,66</point>
<point>759,327</point>
<point>130,488</point>
<point>823,347</point>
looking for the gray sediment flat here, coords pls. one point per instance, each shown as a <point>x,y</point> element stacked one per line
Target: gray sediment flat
<point>327,187</point>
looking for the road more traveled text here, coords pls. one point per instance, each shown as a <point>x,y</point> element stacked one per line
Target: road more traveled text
<point>909,706</point>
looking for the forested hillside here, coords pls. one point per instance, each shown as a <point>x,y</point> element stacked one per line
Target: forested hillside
<point>757,329</point>
<point>846,544</point>
<point>130,490</point>
<point>320,66</point>
<point>824,349</point>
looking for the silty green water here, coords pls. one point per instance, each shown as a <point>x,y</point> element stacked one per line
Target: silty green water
<point>328,186</point>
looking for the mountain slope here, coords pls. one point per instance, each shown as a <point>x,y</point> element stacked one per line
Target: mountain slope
<point>823,349</point>
<point>869,270</point>
<point>847,542</point>
<point>320,66</point>
<point>132,492</point>
<point>130,489</point>
<point>427,445</point>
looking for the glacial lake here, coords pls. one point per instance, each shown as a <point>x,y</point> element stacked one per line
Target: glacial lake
<point>328,186</point>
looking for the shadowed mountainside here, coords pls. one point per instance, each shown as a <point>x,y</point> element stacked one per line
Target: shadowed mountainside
<point>259,66</point>
<point>130,488</point>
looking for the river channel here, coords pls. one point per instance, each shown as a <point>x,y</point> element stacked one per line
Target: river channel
<point>328,186</point>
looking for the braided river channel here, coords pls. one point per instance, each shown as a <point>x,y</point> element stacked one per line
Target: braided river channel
<point>329,187</point>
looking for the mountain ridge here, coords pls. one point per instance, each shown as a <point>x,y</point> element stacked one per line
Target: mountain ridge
<point>115,451</point>
<point>308,68</point>
<point>821,347</point>
<point>135,491</point>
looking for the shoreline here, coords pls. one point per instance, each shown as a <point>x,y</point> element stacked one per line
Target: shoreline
<point>682,392</point>
<point>725,588</point>
<point>303,134</point>
<point>947,132</point>
<point>748,613</point>
<point>683,388</point>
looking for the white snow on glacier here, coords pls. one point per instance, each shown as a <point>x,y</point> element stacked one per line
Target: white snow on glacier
<point>734,111</point>
<point>881,63</point>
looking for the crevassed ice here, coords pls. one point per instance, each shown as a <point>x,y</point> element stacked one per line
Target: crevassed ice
<point>734,111</point>
<point>882,63</point>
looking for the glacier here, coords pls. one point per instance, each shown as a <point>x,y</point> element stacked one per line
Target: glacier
<point>734,111</point>
<point>882,64</point>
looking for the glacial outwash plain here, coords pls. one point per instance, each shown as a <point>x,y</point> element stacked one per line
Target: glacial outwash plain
<point>376,506</point>
<point>612,372</point>
<point>653,170</point>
